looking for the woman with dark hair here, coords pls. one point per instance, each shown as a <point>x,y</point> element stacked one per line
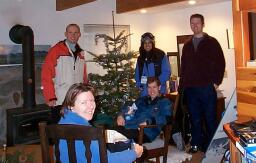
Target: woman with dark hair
<point>78,108</point>
<point>152,62</point>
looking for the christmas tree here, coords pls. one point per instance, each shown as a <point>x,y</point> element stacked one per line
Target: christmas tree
<point>117,85</point>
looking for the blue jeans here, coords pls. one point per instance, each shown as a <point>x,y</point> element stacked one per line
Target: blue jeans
<point>201,103</point>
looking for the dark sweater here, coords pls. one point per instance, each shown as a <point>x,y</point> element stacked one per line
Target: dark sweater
<point>203,66</point>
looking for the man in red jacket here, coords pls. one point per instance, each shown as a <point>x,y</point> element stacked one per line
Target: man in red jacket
<point>202,71</point>
<point>64,65</point>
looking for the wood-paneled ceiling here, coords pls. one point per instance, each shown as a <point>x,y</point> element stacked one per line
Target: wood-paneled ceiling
<point>123,6</point>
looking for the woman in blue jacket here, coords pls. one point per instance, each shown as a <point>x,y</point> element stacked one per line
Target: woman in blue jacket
<point>78,108</point>
<point>152,62</point>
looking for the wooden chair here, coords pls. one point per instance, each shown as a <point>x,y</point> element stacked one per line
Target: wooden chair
<point>51,134</point>
<point>159,147</point>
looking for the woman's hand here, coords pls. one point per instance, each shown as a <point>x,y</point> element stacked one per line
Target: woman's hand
<point>138,150</point>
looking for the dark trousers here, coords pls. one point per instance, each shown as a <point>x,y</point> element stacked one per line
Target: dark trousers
<point>55,114</point>
<point>131,134</point>
<point>201,103</point>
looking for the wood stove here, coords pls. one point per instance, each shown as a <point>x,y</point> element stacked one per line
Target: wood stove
<point>22,123</point>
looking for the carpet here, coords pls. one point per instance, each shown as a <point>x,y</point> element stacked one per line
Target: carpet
<point>176,156</point>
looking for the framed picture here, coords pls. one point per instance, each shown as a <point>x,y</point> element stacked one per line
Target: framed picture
<point>181,41</point>
<point>174,60</point>
<point>11,55</point>
<point>11,67</point>
<point>230,38</point>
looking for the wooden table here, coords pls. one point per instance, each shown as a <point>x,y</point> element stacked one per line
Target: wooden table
<point>235,155</point>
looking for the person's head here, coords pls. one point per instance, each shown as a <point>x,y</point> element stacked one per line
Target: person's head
<point>80,99</point>
<point>147,41</point>
<point>197,23</point>
<point>72,33</point>
<point>153,86</point>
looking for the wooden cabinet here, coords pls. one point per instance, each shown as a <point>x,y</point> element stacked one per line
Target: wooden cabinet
<point>246,93</point>
<point>246,77</point>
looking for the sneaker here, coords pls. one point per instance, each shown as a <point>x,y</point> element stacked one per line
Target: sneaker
<point>193,149</point>
<point>177,138</point>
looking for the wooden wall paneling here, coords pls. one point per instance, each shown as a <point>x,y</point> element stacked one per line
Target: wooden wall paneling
<point>247,97</point>
<point>246,111</point>
<point>247,86</point>
<point>131,5</point>
<point>246,38</point>
<point>241,35</point>
<point>247,5</point>
<point>246,93</point>
<point>66,4</point>
<point>246,73</point>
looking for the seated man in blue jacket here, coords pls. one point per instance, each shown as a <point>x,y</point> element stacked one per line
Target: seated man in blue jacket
<point>151,109</point>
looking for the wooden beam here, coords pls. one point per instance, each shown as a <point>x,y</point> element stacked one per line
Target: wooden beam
<point>66,4</point>
<point>241,35</point>
<point>131,5</point>
<point>247,5</point>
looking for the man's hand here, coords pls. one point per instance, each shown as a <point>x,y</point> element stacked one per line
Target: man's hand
<point>216,86</point>
<point>51,103</point>
<point>120,120</point>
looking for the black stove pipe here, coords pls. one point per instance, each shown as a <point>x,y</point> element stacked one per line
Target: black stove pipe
<point>20,34</point>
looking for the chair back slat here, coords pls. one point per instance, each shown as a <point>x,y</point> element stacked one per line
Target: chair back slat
<point>88,152</point>
<point>71,150</point>
<point>71,133</point>
<point>56,150</point>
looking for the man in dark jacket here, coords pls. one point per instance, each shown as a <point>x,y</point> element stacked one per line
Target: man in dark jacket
<point>202,71</point>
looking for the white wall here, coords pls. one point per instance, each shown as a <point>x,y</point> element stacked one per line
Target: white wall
<point>49,25</point>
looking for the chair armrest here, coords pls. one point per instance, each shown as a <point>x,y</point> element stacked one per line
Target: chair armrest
<point>141,132</point>
<point>167,134</point>
<point>166,129</point>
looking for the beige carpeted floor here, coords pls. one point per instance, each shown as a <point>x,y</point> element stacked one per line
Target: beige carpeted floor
<point>176,156</point>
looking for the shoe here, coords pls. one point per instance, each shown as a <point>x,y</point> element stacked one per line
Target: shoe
<point>177,138</point>
<point>193,149</point>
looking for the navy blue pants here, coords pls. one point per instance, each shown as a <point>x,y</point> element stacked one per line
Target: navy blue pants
<point>201,103</point>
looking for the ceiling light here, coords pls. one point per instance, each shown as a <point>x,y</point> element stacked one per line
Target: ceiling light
<point>191,2</point>
<point>143,11</point>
